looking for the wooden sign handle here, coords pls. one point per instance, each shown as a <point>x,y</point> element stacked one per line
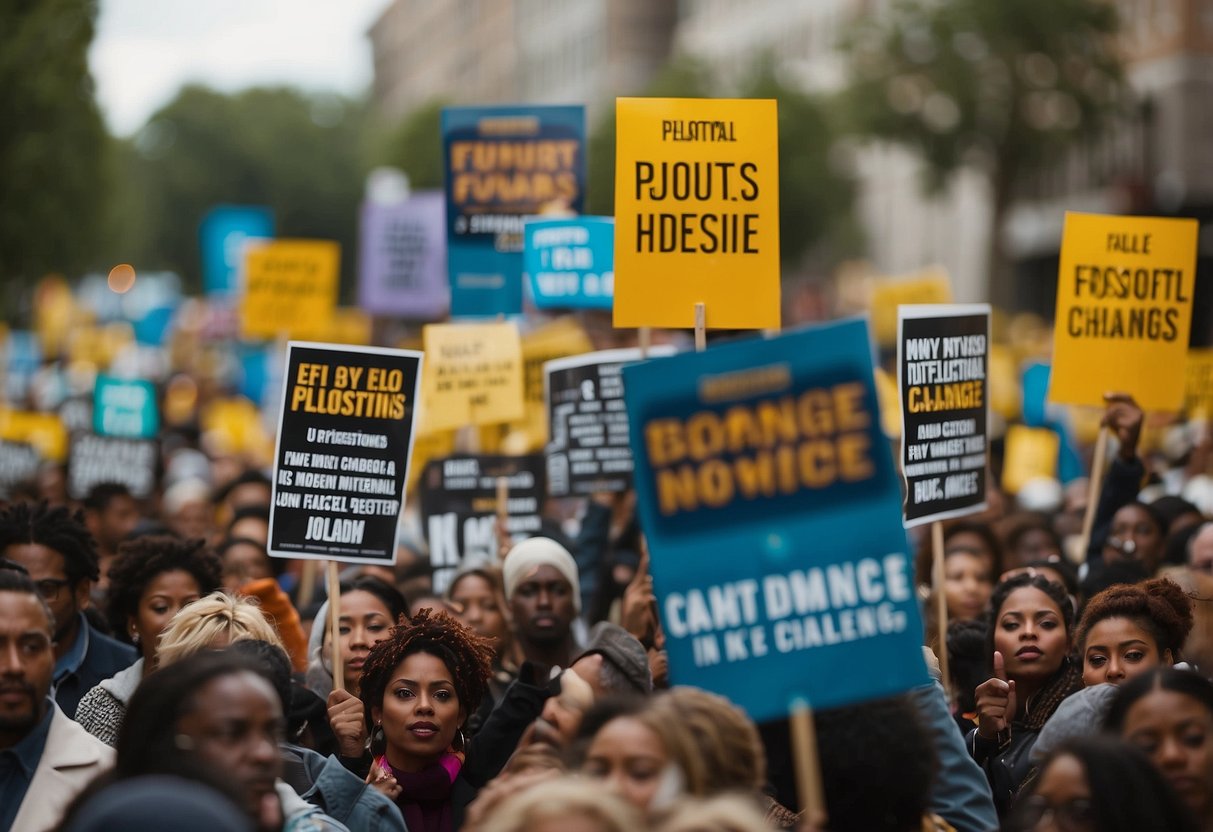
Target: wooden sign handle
<point>939,578</point>
<point>808,765</point>
<point>701,329</point>
<point>644,337</point>
<point>334,590</point>
<point>1095,489</point>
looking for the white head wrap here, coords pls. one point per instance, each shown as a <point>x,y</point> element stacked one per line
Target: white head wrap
<point>534,552</point>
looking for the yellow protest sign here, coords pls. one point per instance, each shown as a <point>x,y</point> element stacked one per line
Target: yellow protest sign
<point>697,212</point>
<point>1198,387</point>
<point>1029,453</point>
<point>44,431</point>
<point>1124,308</point>
<point>931,285</point>
<point>1005,393</point>
<point>290,288</point>
<point>472,375</point>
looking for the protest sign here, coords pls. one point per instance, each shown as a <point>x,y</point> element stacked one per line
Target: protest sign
<point>929,286</point>
<point>345,435</point>
<point>19,463</point>
<point>1124,309</point>
<point>697,212</point>
<point>94,460</point>
<point>459,509</point>
<point>942,372</point>
<point>1198,386</point>
<point>402,258</point>
<point>1029,453</point>
<point>772,509</point>
<point>503,164</point>
<point>589,449</point>
<point>222,236</point>
<point>290,288</point>
<point>473,374</point>
<point>125,409</point>
<point>570,263</point>
<point>45,431</point>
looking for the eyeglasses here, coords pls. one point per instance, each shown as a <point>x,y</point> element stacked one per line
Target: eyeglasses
<point>1071,816</point>
<point>49,588</point>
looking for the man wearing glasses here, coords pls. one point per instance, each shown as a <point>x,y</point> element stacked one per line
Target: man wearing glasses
<point>55,548</point>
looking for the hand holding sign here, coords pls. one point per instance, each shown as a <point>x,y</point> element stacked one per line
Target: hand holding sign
<point>636,615</point>
<point>995,702</point>
<point>1123,418</point>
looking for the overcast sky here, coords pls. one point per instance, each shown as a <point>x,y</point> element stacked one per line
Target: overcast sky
<point>145,50</point>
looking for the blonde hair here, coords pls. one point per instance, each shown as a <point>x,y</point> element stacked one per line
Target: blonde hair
<point>724,813</point>
<point>726,743</point>
<point>561,798</point>
<point>216,618</point>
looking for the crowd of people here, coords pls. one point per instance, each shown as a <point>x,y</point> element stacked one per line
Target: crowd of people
<point>158,668</point>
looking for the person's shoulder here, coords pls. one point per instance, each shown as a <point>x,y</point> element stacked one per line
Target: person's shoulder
<point>105,648</point>
<point>69,745</point>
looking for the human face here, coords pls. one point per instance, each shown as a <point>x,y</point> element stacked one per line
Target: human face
<point>477,606</point>
<point>243,563</point>
<point>364,621</point>
<point>254,528</point>
<point>542,606</point>
<point>970,541</point>
<point>1035,545</point>
<point>968,582</point>
<point>1117,650</point>
<point>235,726</point>
<point>116,521</point>
<point>420,713</point>
<point>163,596</point>
<point>192,520</point>
<point>1062,802</point>
<point>1175,732</point>
<point>1139,537</point>
<point>630,758</point>
<point>1031,635</point>
<point>1200,553</point>
<point>48,570</point>
<point>27,664</point>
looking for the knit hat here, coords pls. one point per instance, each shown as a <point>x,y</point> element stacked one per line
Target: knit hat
<point>532,553</point>
<point>619,647</point>
<point>1080,714</point>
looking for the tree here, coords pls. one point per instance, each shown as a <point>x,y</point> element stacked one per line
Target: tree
<point>53,145</point>
<point>299,154</point>
<point>1004,88</point>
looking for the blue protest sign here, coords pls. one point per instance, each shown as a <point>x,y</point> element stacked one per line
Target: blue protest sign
<point>570,263</point>
<point>222,236</point>
<point>773,515</point>
<point>504,164</point>
<point>125,409</point>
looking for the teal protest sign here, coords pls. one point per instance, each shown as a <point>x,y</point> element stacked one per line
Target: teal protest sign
<point>773,515</point>
<point>570,263</point>
<point>125,409</point>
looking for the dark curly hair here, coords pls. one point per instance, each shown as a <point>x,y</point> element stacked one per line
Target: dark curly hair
<point>1158,606</point>
<point>467,656</point>
<point>55,528</point>
<point>142,559</point>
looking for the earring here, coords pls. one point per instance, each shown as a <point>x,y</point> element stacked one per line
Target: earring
<point>183,742</point>
<point>377,737</point>
<point>460,742</point>
<point>134,637</point>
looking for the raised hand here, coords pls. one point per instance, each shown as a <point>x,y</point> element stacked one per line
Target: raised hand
<point>995,702</point>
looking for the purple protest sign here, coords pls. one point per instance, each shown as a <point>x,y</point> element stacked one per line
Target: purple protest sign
<point>402,258</point>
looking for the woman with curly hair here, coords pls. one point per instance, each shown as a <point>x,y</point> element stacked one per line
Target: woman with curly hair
<point>151,579</point>
<point>1028,643</point>
<point>419,686</point>
<point>1129,629</point>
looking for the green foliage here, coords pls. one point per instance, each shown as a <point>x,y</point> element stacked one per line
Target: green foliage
<point>415,146</point>
<point>54,150</point>
<point>1003,86</point>
<point>299,154</point>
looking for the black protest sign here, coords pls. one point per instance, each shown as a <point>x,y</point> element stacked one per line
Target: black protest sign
<point>93,460</point>
<point>459,508</point>
<point>589,450</point>
<point>942,360</point>
<point>345,435</point>
<point>19,462</point>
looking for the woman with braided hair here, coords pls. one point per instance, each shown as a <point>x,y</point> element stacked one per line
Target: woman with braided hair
<point>419,686</point>
<point>1028,642</point>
